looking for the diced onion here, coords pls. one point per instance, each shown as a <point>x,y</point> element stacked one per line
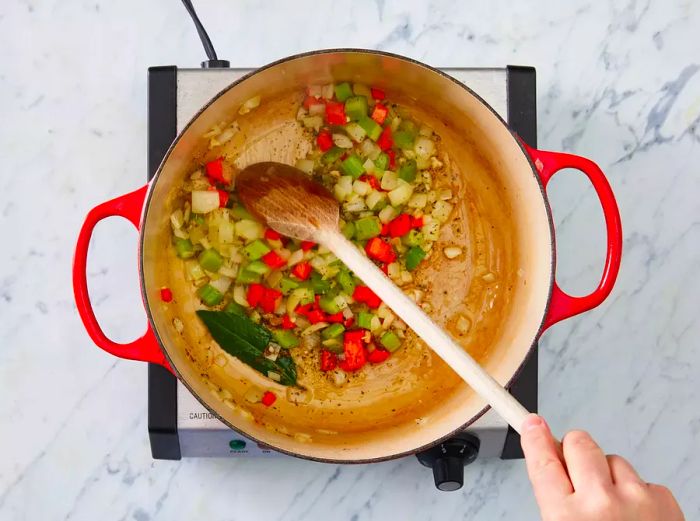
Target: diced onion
<point>445,195</point>
<point>339,377</point>
<point>314,90</point>
<point>239,295</point>
<point>442,210</point>
<point>390,180</point>
<point>342,141</point>
<point>248,229</point>
<point>418,201</point>
<point>272,375</point>
<point>305,165</point>
<point>296,257</point>
<point>370,149</point>
<point>222,284</point>
<point>327,91</point>
<point>313,328</point>
<point>178,325</point>
<point>177,219</point>
<point>314,122</point>
<point>463,325</point>
<point>343,188</point>
<point>401,194</point>
<point>424,147</point>
<point>317,109</point>
<point>361,188</point>
<point>204,201</point>
<point>355,206</point>
<point>356,132</point>
<point>425,130</point>
<point>249,105</point>
<point>272,351</point>
<point>431,230</point>
<point>452,251</point>
<point>227,271</point>
<point>489,278</point>
<point>181,234</point>
<point>387,214</point>
<point>374,199</point>
<point>298,396</point>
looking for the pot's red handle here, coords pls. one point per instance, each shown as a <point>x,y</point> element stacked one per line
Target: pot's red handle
<point>145,348</point>
<point>563,305</point>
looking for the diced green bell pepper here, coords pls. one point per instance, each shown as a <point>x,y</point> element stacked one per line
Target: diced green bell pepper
<point>211,260</point>
<point>287,285</point>
<point>373,129</point>
<point>366,228</point>
<point>235,308</point>
<point>197,218</point>
<point>240,212</point>
<point>403,139</point>
<point>346,281</point>
<point>390,341</point>
<point>319,285</point>
<point>343,91</point>
<point>247,277</point>
<point>356,107</point>
<point>413,257</point>
<point>210,295</point>
<point>255,250</point>
<point>184,248</point>
<point>349,230</point>
<point>352,165</point>
<point>408,126</point>
<point>258,267</point>
<point>285,338</point>
<point>364,320</point>
<point>332,155</point>
<point>382,162</point>
<point>407,171</point>
<point>413,238</point>
<point>328,304</point>
<point>334,345</point>
<point>332,331</point>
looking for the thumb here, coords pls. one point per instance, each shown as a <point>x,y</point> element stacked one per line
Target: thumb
<point>544,465</point>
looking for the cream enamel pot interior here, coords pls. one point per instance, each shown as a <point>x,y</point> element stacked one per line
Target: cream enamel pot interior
<point>503,220</point>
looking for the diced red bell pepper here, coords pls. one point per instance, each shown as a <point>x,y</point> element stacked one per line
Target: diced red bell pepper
<point>400,226</point>
<point>385,229</point>
<point>385,268</point>
<point>302,270</point>
<point>215,171</point>
<point>378,249</point>
<point>379,113</point>
<point>166,295</point>
<point>385,141</point>
<point>377,356</point>
<point>328,360</point>
<point>268,398</point>
<point>324,140</point>
<point>270,300</point>
<point>287,322</point>
<point>377,93</point>
<point>365,295</point>
<point>335,113</point>
<point>303,309</point>
<point>307,245</point>
<point>272,235</point>
<point>392,159</point>
<point>223,198</point>
<point>273,259</point>
<point>349,322</point>
<point>354,351</point>
<point>371,181</point>
<point>255,294</point>
<point>315,316</point>
<point>417,222</point>
<point>336,318</point>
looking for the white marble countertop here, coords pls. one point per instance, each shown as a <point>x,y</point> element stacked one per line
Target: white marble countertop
<point>618,82</point>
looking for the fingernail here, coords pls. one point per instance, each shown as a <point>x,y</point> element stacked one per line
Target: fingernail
<point>532,422</point>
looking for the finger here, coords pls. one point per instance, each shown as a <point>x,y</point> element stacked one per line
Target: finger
<point>544,466</point>
<point>669,507</point>
<point>585,461</point>
<point>621,471</point>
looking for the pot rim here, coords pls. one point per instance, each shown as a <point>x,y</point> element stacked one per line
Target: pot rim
<point>344,50</point>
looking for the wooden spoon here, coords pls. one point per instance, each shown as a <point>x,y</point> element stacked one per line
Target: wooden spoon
<point>291,203</point>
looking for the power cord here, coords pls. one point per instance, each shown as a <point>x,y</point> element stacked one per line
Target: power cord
<point>213,62</point>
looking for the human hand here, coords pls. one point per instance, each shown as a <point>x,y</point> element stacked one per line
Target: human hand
<point>587,485</point>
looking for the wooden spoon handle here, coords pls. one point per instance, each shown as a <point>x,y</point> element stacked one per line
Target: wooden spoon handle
<point>433,335</point>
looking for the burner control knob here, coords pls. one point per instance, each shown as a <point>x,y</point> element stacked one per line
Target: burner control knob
<point>449,458</point>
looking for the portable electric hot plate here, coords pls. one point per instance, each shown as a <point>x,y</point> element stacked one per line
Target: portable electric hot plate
<point>179,426</point>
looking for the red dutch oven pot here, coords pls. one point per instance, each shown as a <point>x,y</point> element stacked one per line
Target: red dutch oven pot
<point>502,178</point>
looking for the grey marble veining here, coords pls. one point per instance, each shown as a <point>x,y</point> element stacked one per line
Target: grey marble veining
<point>619,81</point>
